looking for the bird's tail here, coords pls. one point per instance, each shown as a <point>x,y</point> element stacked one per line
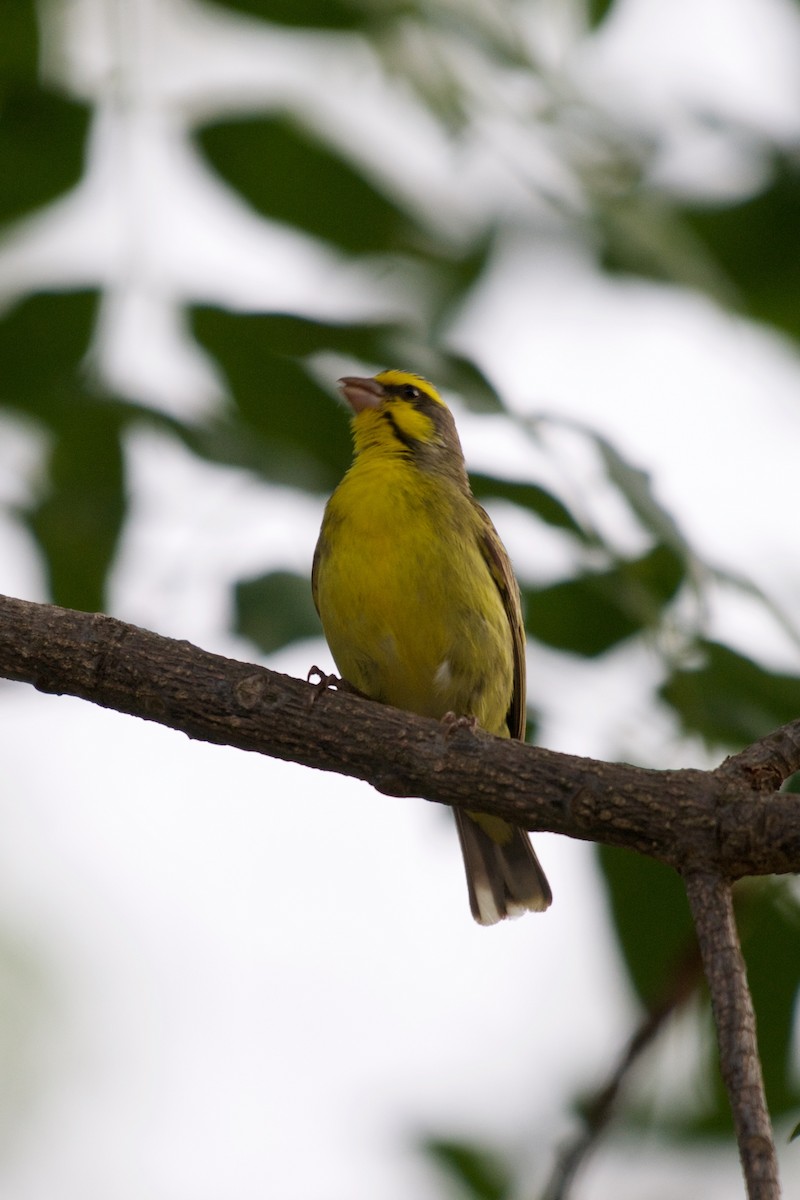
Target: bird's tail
<point>504,877</point>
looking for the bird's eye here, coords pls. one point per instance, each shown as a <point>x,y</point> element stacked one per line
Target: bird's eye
<point>410,392</point>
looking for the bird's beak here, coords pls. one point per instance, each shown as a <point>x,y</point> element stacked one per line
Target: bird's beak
<point>361,393</point>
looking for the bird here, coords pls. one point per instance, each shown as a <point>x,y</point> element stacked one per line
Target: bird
<point>420,606</point>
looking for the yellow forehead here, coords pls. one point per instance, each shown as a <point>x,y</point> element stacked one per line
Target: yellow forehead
<point>393,379</point>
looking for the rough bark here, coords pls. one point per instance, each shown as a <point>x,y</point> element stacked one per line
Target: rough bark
<point>712,908</point>
<point>723,820</point>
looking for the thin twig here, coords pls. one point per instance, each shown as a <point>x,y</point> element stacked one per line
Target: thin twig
<point>712,909</point>
<point>599,1110</point>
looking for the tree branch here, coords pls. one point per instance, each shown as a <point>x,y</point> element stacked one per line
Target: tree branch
<point>767,763</point>
<point>690,819</point>
<point>712,909</point>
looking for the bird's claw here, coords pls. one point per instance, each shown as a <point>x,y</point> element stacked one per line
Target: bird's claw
<point>322,682</point>
<point>452,722</point>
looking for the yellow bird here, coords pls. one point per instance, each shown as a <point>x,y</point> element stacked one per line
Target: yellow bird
<point>420,606</point>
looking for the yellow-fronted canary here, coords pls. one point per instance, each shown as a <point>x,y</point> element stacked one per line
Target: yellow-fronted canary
<point>420,606</point>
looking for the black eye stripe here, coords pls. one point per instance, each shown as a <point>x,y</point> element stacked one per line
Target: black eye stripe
<point>402,437</point>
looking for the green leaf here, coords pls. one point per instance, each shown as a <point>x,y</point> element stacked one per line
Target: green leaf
<point>299,434</point>
<point>78,521</point>
<point>651,920</point>
<point>750,240</point>
<point>730,700</point>
<point>292,336</point>
<point>794,1134</point>
<point>480,1174</point>
<point>591,614</point>
<point>19,43</point>
<point>42,141</point>
<point>275,609</point>
<point>43,341</point>
<point>769,922</point>
<point>527,495</point>
<point>79,514</point>
<point>597,11</point>
<point>287,173</point>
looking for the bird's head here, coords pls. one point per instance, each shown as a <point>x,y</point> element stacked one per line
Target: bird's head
<point>402,413</point>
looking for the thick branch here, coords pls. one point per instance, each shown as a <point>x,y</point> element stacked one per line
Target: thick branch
<point>712,909</point>
<point>691,819</point>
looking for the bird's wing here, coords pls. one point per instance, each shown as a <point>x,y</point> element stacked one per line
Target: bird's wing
<point>499,565</point>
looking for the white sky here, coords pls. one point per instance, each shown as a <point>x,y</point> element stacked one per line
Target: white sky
<point>260,980</point>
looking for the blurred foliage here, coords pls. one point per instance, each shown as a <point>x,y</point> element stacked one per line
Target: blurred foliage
<point>283,426</point>
<point>749,240</point>
<point>42,133</point>
<point>769,923</point>
<point>19,45</point>
<point>43,340</point>
<point>77,517</point>
<point>77,522</point>
<point>598,10</point>
<point>246,152</point>
<point>728,699</point>
<point>646,896</point>
<point>590,614</point>
<point>290,422</point>
<point>41,148</point>
<point>530,496</point>
<point>275,609</point>
<point>477,1174</point>
<point>735,250</point>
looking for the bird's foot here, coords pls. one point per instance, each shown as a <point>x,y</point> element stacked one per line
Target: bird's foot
<point>322,683</point>
<point>451,723</point>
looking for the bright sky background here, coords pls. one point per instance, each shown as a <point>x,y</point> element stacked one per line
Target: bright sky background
<point>258,980</point>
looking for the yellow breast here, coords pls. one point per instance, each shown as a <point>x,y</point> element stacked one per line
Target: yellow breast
<point>409,607</point>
